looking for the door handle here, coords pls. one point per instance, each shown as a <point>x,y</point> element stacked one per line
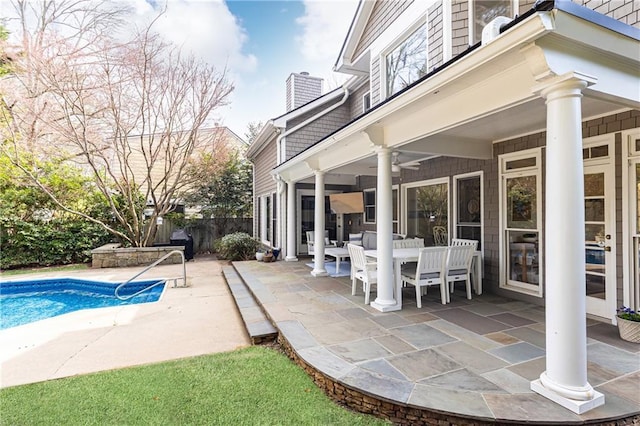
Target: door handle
<point>607,248</point>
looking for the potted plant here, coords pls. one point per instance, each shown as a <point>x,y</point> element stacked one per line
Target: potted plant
<point>629,324</point>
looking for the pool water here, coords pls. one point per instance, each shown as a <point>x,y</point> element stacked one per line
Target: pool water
<point>23,302</point>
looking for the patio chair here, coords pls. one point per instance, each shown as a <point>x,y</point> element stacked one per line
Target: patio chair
<point>408,243</point>
<point>430,270</point>
<point>363,270</point>
<point>459,267</point>
<point>440,236</point>
<point>311,241</point>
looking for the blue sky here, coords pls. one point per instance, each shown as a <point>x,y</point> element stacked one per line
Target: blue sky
<point>280,34</point>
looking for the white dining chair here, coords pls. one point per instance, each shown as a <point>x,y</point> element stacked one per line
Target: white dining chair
<point>408,243</point>
<point>363,270</point>
<point>430,270</point>
<point>459,267</point>
<point>311,241</point>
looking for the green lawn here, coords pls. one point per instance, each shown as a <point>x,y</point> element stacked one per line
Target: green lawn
<point>74,267</point>
<point>251,386</point>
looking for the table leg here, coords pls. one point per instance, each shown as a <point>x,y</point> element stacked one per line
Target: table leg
<point>337,264</point>
<point>396,276</point>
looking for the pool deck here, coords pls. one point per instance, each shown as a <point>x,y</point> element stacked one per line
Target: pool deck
<point>468,362</point>
<point>199,319</point>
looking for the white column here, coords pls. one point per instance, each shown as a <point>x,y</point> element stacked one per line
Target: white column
<point>318,258</point>
<point>565,378</point>
<point>291,222</point>
<point>384,227</point>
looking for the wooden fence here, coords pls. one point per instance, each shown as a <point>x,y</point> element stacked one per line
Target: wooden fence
<point>205,231</point>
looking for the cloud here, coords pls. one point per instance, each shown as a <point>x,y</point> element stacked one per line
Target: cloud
<point>324,28</point>
<point>206,28</point>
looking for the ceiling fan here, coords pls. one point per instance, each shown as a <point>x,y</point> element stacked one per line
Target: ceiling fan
<point>396,166</point>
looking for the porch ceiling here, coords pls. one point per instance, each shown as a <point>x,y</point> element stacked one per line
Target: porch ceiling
<point>485,97</point>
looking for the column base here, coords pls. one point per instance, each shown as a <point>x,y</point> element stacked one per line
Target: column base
<point>578,407</point>
<point>291,259</point>
<point>386,307</point>
<point>319,273</point>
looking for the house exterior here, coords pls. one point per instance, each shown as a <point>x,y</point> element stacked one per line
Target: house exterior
<point>515,123</point>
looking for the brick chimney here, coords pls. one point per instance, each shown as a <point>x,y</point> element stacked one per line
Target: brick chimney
<point>301,89</point>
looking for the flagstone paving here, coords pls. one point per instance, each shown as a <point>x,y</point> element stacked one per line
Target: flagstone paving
<point>471,358</point>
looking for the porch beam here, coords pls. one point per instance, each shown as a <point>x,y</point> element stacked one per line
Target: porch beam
<point>451,146</point>
<point>318,226</point>
<point>565,379</point>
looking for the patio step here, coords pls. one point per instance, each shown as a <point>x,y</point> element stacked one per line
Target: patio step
<point>256,322</point>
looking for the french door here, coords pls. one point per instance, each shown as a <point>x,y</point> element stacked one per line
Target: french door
<point>600,244</point>
<point>306,218</point>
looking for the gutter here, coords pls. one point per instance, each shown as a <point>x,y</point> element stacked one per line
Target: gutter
<point>279,144</point>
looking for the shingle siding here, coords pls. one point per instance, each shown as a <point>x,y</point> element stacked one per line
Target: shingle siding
<point>459,26</point>
<point>375,81</point>
<point>383,14</point>
<point>435,34</point>
<point>355,101</point>
<point>627,11</point>
<point>316,130</point>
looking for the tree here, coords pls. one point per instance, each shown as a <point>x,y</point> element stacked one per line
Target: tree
<point>133,115</point>
<point>228,193</point>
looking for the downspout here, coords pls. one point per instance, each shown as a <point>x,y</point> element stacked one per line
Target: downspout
<point>306,122</point>
<point>280,154</point>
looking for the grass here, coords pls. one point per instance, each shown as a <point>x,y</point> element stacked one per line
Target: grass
<point>251,386</point>
<point>74,267</point>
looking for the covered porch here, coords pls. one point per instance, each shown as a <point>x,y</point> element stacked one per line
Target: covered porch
<point>468,362</point>
<point>547,72</point>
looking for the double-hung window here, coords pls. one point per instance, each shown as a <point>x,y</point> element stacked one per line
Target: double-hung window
<point>407,62</point>
<point>481,12</point>
<point>369,206</point>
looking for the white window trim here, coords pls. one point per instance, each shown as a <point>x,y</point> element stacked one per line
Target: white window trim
<point>436,181</point>
<point>455,204</point>
<point>264,218</point>
<point>533,290</point>
<point>417,23</point>
<point>470,4</point>
<point>375,200</point>
<point>397,222</point>
<point>631,157</point>
<point>364,104</point>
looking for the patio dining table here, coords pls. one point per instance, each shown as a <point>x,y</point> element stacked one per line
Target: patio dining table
<point>404,255</point>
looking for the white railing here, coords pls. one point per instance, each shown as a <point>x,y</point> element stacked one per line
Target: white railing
<point>175,280</point>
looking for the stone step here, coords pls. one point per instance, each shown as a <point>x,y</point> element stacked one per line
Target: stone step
<point>258,325</point>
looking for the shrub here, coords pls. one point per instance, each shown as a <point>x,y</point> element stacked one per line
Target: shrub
<point>56,242</point>
<point>236,246</point>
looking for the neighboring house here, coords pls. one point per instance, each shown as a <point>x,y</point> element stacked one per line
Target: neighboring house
<point>520,130</point>
<point>146,164</point>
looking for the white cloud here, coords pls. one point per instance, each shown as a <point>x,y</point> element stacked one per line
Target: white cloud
<point>206,28</point>
<point>324,28</point>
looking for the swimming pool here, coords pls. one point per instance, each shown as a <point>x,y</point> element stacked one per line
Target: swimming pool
<point>26,301</point>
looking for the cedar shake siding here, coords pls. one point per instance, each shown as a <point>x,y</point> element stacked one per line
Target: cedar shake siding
<point>383,14</point>
<point>355,101</point>
<point>264,162</point>
<point>459,26</point>
<point>317,129</point>
<point>435,28</point>
<point>376,91</point>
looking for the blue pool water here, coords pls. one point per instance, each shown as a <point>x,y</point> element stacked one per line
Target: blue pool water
<point>22,302</point>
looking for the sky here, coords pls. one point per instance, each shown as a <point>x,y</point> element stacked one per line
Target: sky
<point>261,43</point>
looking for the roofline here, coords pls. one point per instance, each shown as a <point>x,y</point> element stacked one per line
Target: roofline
<point>542,6</point>
<point>281,120</point>
<point>364,7</point>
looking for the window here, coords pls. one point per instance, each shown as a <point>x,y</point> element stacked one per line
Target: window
<point>426,206</point>
<point>520,218</point>
<point>369,206</point>
<point>482,12</point>
<point>468,196</point>
<point>396,223</point>
<point>407,62</point>
<point>268,218</point>
<point>366,102</point>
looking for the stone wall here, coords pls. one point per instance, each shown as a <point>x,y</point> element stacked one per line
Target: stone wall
<point>114,256</point>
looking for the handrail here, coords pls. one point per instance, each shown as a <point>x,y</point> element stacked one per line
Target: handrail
<point>184,276</point>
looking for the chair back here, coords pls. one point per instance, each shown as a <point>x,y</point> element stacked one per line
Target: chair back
<point>431,260</point>
<point>461,242</point>
<point>358,258</point>
<point>460,257</point>
<point>440,236</point>
<point>408,243</point>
